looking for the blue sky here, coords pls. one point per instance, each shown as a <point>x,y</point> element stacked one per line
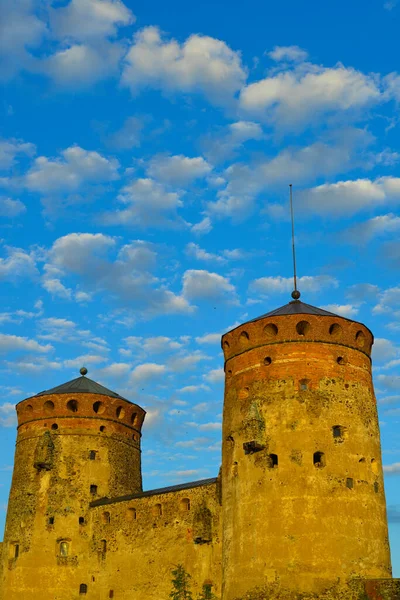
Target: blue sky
<point>145,155</point>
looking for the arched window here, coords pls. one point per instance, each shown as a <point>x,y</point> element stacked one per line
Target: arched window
<point>83,589</point>
<point>157,510</point>
<point>72,405</point>
<point>64,548</point>
<point>272,460</point>
<point>131,514</point>
<point>106,517</point>
<point>93,489</point>
<point>185,504</point>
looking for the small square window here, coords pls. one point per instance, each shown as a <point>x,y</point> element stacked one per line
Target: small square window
<point>92,455</point>
<point>93,489</point>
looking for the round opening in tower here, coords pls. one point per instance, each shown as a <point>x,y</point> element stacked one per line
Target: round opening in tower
<point>48,406</point>
<point>360,339</point>
<point>303,327</point>
<point>270,331</point>
<point>267,360</point>
<point>244,338</point>
<point>72,405</point>
<point>120,412</point>
<point>54,426</point>
<point>99,407</point>
<point>335,330</point>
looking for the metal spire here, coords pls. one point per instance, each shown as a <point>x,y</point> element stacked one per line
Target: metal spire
<point>295,293</point>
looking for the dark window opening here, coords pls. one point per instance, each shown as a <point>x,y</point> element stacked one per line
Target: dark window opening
<point>251,447</point>
<point>103,547</point>
<point>341,360</point>
<point>337,431</point>
<point>120,412</point>
<point>50,521</point>
<point>81,520</point>
<point>54,426</point>
<point>93,489</point>
<point>16,550</point>
<point>303,327</point>
<point>98,407</point>
<point>272,460</point>
<point>83,588</point>
<point>376,487</point>
<point>349,483</point>
<point>362,459</point>
<point>319,459</point>
<point>106,517</point>
<point>304,384</point>
<point>72,405</point>
<point>111,594</point>
<point>92,455</point>
<point>267,360</point>
<point>102,428</point>
<point>134,418</point>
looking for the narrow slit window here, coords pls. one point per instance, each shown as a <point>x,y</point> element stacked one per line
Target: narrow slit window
<point>337,431</point>
<point>106,518</point>
<point>92,455</point>
<point>82,589</point>
<point>81,520</point>
<point>16,550</point>
<point>50,520</point>
<point>272,460</point>
<point>93,489</point>
<point>111,594</point>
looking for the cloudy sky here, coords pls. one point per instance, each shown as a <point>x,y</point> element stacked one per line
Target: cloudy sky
<point>145,154</point>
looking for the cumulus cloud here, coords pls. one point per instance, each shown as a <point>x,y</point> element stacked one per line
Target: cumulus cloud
<point>393,469</point>
<point>388,301</point>
<point>147,372</point>
<point>293,98</point>
<point>15,343</point>
<point>195,251</point>
<point>209,338</point>
<point>202,227</point>
<point>127,277</point>
<point>203,285</point>
<point>18,263</point>
<point>177,170</point>
<point>345,198</point>
<point>383,349</point>
<point>10,208</point>
<point>11,148</point>
<point>344,310</point>
<point>153,345</point>
<point>88,19</point>
<point>215,376</point>
<point>8,416</point>
<point>185,362</point>
<point>279,285</point>
<point>193,389</point>
<point>68,173</point>
<point>201,64</point>
<point>222,145</point>
<point>288,53</point>
<point>148,203</point>
<point>361,233</point>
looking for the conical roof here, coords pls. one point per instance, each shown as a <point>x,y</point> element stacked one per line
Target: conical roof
<point>81,385</point>
<point>295,307</point>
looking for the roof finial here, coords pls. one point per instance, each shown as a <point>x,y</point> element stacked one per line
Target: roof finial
<point>83,371</point>
<point>295,293</point>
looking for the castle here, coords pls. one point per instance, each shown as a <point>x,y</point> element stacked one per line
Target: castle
<point>297,511</point>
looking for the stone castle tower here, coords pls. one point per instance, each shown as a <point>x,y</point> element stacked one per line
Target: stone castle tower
<point>297,511</point>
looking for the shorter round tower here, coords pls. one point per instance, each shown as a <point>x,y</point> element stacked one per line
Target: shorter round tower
<point>76,443</point>
<point>303,497</point>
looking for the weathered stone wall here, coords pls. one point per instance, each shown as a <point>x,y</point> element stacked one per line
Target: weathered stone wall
<point>142,545</point>
<point>293,391</point>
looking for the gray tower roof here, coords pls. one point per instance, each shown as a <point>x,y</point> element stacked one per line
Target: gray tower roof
<point>296,307</point>
<point>81,385</point>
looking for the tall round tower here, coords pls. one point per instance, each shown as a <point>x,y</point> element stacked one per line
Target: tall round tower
<point>303,503</point>
<point>76,442</point>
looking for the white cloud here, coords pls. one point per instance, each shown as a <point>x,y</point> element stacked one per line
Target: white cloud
<point>153,345</point>
<point>147,372</point>
<point>83,360</point>
<point>202,227</point>
<point>279,285</point>
<point>383,349</point>
<point>129,136</point>
<point>149,204</point>
<point>11,148</point>
<point>76,167</point>
<point>392,469</point>
<point>209,338</point>
<point>8,416</point>
<point>17,264</point>
<point>345,198</point>
<point>289,53</point>
<point>344,310</point>
<point>362,233</point>
<point>221,146</point>
<point>203,285</point>
<point>177,170</point>
<point>194,250</point>
<point>210,426</point>
<point>15,343</point>
<point>391,382</point>
<point>87,19</point>
<point>215,376</point>
<point>193,389</point>
<point>182,363</point>
<point>11,208</point>
<point>201,64</point>
<point>388,300</point>
<point>307,93</point>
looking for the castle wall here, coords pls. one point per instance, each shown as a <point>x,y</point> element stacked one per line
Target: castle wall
<point>295,526</point>
<point>142,551</point>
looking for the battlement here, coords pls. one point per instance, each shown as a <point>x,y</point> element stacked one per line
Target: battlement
<point>94,412</point>
<point>279,329</point>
